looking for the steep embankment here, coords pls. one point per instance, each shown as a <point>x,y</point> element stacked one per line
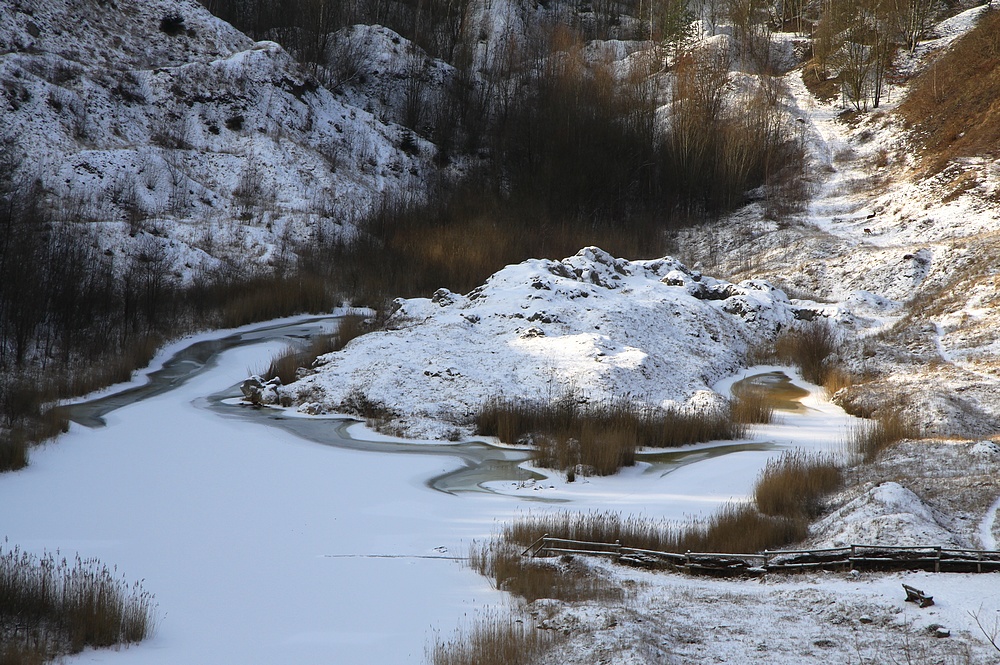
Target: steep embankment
<point>905,251</point>
<point>164,127</point>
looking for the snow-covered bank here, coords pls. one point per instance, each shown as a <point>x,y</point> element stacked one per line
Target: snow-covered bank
<point>592,325</point>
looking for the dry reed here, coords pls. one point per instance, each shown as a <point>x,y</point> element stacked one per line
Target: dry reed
<point>752,405</point>
<point>599,438</point>
<point>494,639</point>
<point>49,606</point>
<point>501,562</point>
<point>736,527</point>
<point>869,438</point>
<point>794,484</point>
<point>285,365</point>
<point>809,348</point>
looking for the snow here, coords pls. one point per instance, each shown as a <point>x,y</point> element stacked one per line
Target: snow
<point>889,514</point>
<point>592,325</point>
<point>205,145</point>
<point>263,548</point>
<point>258,547</point>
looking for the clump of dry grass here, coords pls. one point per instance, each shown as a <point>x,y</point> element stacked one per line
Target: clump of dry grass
<point>794,484</point>
<point>739,528</point>
<point>736,527</point>
<point>285,365</point>
<point>752,405</point>
<point>869,438</point>
<point>598,527</point>
<point>495,639</point>
<point>501,562</point>
<point>50,606</point>
<point>815,349</point>
<point>809,348</point>
<point>13,450</point>
<point>601,438</point>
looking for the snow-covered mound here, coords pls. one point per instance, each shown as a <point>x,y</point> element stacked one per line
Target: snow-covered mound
<point>592,325</point>
<point>159,123</point>
<point>888,514</point>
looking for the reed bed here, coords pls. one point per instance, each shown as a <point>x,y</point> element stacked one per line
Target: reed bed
<point>736,527</point>
<point>495,639</point>
<point>599,438</point>
<point>752,406</point>
<point>50,606</point>
<point>794,484</point>
<point>286,365</point>
<point>809,348</point>
<point>870,437</point>
<point>501,562</point>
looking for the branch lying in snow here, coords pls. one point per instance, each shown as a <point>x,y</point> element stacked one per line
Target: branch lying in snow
<point>990,635</point>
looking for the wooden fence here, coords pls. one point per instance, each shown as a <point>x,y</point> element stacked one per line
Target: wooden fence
<point>855,557</point>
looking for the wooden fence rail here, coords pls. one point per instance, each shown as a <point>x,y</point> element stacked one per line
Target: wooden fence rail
<point>858,557</point>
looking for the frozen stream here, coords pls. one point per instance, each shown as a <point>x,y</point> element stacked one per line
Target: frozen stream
<point>261,546</point>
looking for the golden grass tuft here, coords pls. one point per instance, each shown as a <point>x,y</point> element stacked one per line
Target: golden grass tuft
<point>794,484</point>
<point>501,562</point>
<point>599,438</point>
<point>809,348</point>
<point>494,639</point>
<point>869,438</point>
<point>50,606</point>
<point>752,405</point>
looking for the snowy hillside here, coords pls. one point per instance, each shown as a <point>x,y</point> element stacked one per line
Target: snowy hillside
<point>907,253</point>
<point>157,120</point>
<point>594,326</point>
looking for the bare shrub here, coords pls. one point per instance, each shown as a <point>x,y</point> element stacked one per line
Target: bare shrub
<point>794,484</point>
<point>358,402</point>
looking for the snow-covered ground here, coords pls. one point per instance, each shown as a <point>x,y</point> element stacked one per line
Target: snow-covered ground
<point>591,326</point>
<point>900,261</point>
<point>200,144</point>
<point>263,548</point>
